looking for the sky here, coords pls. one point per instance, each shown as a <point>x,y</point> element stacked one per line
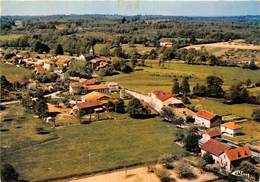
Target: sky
<point>132,7</point>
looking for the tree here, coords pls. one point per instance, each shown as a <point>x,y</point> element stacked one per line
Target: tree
<point>185,86</point>
<point>238,94</point>
<point>169,53</point>
<point>120,107</point>
<point>256,115</point>
<point>40,107</point>
<point>59,50</point>
<point>208,158</point>
<point>167,114</point>
<point>41,48</point>
<point>249,168</point>
<point>176,87</point>
<point>4,83</point>
<point>199,90</point>
<point>191,142</point>
<point>214,86</point>
<point>248,82</point>
<point>184,170</point>
<point>8,173</point>
<point>136,109</point>
<point>185,99</point>
<point>106,71</point>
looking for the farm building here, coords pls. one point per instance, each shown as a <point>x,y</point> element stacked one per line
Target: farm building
<point>96,96</point>
<point>166,42</point>
<point>207,119</point>
<point>231,129</point>
<point>81,86</point>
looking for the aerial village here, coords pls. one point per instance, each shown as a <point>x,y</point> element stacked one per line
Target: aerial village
<point>100,112</point>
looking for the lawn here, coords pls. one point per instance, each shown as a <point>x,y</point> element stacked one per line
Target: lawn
<point>14,73</point>
<point>146,79</point>
<point>243,110</point>
<point>95,147</point>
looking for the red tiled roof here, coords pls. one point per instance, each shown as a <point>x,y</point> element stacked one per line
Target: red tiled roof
<point>101,59</point>
<point>90,82</point>
<point>214,147</point>
<point>163,96</point>
<point>214,133</point>
<point>206,115</point>
<point>238,153</point>
<point>89,104</point>
<point>96,87</point>
<point>232,125</point>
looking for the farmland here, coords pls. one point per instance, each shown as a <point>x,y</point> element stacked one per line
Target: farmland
<point>145,79</point>
<point>14,73</point>
<point>90,148</point>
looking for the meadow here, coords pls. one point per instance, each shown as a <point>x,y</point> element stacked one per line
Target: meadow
<point>14,73</point>
<point>99,146</point>
<point>10,37</point>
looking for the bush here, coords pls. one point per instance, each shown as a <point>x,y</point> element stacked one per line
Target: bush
<point>208,158</point>
<point>184,170</point>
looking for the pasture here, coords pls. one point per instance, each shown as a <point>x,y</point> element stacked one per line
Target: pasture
<point>10,37</point>
<point>152,77</point>
<point>82,149</point>
<point>14,73</point>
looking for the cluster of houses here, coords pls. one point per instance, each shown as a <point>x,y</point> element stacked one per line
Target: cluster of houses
<point>224,155</point>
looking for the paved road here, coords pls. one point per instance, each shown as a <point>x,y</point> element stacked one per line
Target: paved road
<point>10,102</point>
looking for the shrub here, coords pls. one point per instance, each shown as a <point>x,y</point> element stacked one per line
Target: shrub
<point>208,158</point>
<point>184,170</point>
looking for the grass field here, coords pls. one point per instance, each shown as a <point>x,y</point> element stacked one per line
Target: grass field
<point>98,146</point>
<point>18,128</point>
<point>243,110</point>
<point>146,79</point>
<point>10,37</point>
<point>14,73</point>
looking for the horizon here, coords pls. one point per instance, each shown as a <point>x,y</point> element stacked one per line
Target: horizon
<point>192,8</point>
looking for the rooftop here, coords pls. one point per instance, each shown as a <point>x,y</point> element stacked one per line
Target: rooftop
<point>96,87</point>
<point>214,133</point>
<point>95,96</point>
<point>206,114</point>
<point>163,96</point>
<point>238,153</point>
<point>89,104</point>
<point>214,147</point>
<point>231,125</point>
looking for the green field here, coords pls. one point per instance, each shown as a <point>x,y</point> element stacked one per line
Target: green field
<point>243,110</point>
<point>14,73</point>
<point>10,37</point>
<point>95,147</point>
<point>146,79</point>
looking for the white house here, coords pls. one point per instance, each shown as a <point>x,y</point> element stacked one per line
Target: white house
<point>231,129</point>
<point>159,99</point>
<point>207,119</point>
<point>214,148</point>
<point>213,134</point>
<point>233,157</point>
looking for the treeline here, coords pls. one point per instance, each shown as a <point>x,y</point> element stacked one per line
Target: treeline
<point>76,32</point>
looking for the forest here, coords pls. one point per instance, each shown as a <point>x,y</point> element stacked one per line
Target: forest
<point>77,33</point>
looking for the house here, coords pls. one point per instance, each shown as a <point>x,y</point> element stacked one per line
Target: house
<point>103,88</point>
<point>159,99</point>
<point>81,86</point>
<point>166,42</point>
<point>212,134</point>
<point>96,96</point>
<point>113,86</point>
<point>231,129</point>
<point>233,157</point>
<point>215,148</point>
<point>100,62</point>
<point>88,107</point>
<point>207,119</point>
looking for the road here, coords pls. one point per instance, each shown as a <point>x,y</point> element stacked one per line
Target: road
<point>10,102</point>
